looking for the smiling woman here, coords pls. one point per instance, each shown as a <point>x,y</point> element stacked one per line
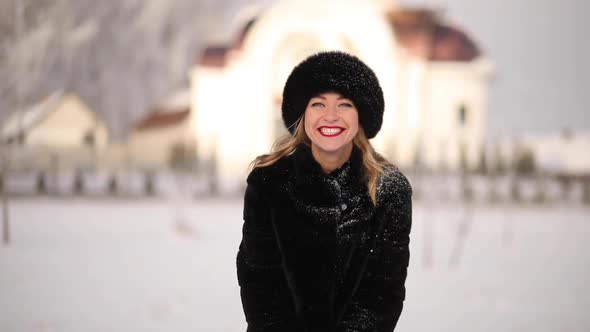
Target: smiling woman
<point>326,218</point>
<point>331,123</point>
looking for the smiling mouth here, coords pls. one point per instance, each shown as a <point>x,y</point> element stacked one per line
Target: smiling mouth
<point>330,131</point>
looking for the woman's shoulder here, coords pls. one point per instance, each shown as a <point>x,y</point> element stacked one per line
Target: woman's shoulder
<point>393,183</point>
<point>270,174</point>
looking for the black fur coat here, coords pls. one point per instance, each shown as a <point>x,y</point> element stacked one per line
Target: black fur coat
<point>316,254</point>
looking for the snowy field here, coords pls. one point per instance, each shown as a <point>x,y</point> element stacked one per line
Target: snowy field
<point>114,265</point>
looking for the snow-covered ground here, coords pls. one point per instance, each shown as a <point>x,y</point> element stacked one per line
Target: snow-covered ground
<point>130,265</point>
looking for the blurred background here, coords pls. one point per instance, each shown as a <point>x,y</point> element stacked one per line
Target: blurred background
<point>127,127</point>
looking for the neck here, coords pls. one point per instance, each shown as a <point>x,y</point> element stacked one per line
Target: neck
<point>330,161</point>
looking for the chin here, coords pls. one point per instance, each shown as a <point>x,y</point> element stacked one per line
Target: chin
<point>333,148</point>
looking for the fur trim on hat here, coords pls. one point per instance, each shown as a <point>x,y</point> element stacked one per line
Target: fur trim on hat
<point>334,72</point>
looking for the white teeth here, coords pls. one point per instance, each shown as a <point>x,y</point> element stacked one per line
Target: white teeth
<point>330,131</point>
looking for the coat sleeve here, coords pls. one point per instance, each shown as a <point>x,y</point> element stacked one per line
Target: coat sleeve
<point>377,304</point>
<point>263,287</point>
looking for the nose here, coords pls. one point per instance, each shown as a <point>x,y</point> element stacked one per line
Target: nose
<point>331,115</point>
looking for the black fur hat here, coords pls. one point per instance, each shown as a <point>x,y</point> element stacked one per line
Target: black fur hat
<point>334,72</point>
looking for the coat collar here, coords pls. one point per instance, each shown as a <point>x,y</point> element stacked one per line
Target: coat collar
<point>320,196</point>
<point>308,169</point>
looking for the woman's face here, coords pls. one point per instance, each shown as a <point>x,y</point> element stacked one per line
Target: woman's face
<point>331,122</point>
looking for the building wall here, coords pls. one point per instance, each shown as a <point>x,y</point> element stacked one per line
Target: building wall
<point>559,152</point>
<point>151,148</point>
<point>455,120</point>
<point>409,113</point>
<point>67,126</point>
<point>212,101</point>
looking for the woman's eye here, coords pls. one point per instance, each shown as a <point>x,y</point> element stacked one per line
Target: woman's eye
<point>345,105</point>
<point>317,104</point>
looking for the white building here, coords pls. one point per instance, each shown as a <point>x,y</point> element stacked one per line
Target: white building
<point>567,152</point>
<point>60,131</point>
<point>58,121</point>
<point>165,133</point>
<point>433,76</point>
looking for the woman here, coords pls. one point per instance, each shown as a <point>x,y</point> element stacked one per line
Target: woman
<point>326,218</point>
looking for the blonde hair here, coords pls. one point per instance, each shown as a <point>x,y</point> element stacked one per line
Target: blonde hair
<point>374,164</point>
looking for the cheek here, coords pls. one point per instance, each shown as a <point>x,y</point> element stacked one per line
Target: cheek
<point>354,124</point>
<point>353,130</point>
<point>308,122</point>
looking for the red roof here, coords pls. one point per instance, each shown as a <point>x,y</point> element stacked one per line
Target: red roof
<point>159,119</point>
<point>216,56</point>
<point>422,33</point>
